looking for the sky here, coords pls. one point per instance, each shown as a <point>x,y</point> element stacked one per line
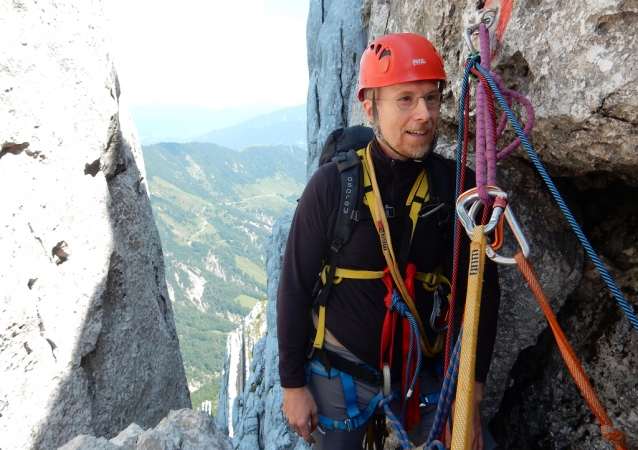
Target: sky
<point>213,53</point>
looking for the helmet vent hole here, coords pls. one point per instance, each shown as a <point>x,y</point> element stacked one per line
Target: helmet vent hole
<point>377,49</point>
<point>384,60</point>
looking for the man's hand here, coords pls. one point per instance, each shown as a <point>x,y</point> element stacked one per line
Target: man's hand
<point>477,429</point>
<point>300,410</point>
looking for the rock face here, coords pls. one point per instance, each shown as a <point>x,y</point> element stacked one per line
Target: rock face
<point>257,418</point>
<point>239,353</point>
<point>335,40</point>
<point>88,342</point>
<point>577,66</point>
<point>181,430</point>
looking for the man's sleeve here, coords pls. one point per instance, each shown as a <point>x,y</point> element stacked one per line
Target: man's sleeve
<point>305,249</point>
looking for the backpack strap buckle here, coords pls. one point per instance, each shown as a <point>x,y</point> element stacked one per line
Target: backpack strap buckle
<point>389,212</point>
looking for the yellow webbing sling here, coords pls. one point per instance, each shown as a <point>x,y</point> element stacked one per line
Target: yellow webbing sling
<point>464,410</point>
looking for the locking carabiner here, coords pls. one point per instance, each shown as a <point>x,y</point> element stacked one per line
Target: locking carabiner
<point>467,218</point>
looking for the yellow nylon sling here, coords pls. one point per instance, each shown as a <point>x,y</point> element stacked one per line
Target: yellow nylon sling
<point>464,410</point>
<point>383,229</point>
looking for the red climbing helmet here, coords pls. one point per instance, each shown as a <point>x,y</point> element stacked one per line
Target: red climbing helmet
<point>399,58</point>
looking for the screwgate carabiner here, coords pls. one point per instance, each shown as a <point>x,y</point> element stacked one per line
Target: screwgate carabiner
<point>467,218</point>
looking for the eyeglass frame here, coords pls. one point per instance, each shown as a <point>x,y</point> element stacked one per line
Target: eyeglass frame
<point>415,100</point>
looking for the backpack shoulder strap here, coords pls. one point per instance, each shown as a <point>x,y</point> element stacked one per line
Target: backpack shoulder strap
<point>351,189</point>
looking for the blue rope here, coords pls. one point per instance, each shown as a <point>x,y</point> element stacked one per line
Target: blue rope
<point>402,436</point>
<point>448,391</point>
<point>568,215</point>
<point>415,338</point>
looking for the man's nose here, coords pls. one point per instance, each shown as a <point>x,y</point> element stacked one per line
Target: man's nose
<point>421,110</point>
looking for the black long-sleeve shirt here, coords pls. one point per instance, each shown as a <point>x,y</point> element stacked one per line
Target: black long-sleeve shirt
<point>355,309</point>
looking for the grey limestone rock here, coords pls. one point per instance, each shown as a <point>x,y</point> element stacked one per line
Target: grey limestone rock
<point>335,41</point>
<point>127,439</point>
<point>258,421</point>
<point>87,337</point>
<point>240,347</point>
<point>85,442</point>
<point>184,429</point>
<point>575,64</point>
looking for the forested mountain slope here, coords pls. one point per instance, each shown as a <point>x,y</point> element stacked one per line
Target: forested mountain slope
<point>214,209</point>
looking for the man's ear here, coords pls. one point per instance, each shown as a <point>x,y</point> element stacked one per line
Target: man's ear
<point>367,109</point>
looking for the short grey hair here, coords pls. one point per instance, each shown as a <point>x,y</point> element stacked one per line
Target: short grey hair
<point>367,93</point>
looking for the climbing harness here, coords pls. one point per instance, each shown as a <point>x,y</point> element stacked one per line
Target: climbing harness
<point>356,418</point>
<point>488,130</point>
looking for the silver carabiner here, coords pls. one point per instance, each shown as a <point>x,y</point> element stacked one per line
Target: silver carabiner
<point>487,17</point>
<point>467,218</point>
<point>436,312</point>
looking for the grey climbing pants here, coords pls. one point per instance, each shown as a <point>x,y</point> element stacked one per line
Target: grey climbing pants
<point>330,400</point>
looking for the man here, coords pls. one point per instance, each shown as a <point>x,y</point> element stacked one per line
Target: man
<point>400,83</point>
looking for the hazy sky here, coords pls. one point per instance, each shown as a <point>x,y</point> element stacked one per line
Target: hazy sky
<point>213,53</point>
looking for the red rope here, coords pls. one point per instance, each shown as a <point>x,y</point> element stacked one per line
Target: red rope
<point>578,373</point>
<point>458,231</point>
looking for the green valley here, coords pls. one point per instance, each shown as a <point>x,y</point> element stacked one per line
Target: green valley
<point>214,208</point>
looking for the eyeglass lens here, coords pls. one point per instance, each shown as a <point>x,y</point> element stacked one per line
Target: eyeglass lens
<point>432,101</point>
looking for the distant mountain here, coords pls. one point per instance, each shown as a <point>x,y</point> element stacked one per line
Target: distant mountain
<point>214,208</point>
<point>284,126</point>
<point>184,123</point>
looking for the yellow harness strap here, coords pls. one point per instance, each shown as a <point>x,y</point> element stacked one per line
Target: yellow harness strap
<point>430,280</point>
<point>350,273</point>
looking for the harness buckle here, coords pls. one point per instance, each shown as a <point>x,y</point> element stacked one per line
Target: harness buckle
<point>347,424</point>
<point>311,349</point>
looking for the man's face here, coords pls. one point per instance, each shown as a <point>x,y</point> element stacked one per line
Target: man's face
<point>410,132</point>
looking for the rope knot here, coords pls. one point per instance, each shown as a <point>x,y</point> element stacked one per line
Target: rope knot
<point>614,435</point>
<point>399,305</point>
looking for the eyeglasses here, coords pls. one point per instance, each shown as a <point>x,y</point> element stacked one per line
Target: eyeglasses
<point>432,101</point>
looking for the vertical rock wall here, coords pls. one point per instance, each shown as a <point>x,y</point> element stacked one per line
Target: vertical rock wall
<point>87,338</point>
<point>240,347</point>
<point>258,422</point>
<point>335,40</point>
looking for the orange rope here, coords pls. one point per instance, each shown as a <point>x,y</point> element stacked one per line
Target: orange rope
<point>608,431</point>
